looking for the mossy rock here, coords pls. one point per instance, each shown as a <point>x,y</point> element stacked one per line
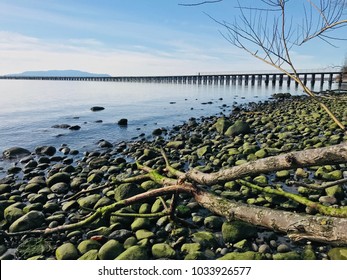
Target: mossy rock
<point>335,191</point>
<point>195,256</point>
<point>149,185</point>
<point>140,223</point>
<point>33,247</point>
<point>5,188</point>
<point>124,191</point>
<point>143,234</point>
<point>262,153</point>
<point>242,256</point>
<point>134,253</point>
<point>282,174</point>
<point>221,125</point>
<point>157,206</point>
<point>190,247</point>
<point>205,239</point>
<point>339,253</point>
<point>163,250</point>
<point>175,144</point>
<point>60,177</point>
<point>145,208</point>
<point>236,230</point>
<point>239,127</point>
<point>213,222</point>
<point>110,250</point>
<point>91,255</point>
<point>333,175</point>
<point>94,178</point>
<point>203,151</point>
<point>31,220</point>
<point>12,213</point>
<point>286,256</point>
<point>308,253</point>
<point>67,251</point>
<point>89,201</point>
<point>261,180</point>
<point>183,211</point>
<point>87,245</point>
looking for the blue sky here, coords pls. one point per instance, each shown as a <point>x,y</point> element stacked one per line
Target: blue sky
<point>133,37</point>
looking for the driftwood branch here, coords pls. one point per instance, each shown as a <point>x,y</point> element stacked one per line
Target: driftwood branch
<point>313,157</point>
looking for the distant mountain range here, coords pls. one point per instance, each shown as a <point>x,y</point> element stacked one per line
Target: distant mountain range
<point>58,73</point>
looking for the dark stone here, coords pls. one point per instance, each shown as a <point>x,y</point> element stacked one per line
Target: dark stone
<point>15,152</point>
<point>97,108</point>
<point>157,131</point>
<point>75,127</point>
<point>123,122</point>
<point>45,150</point>
<point>62,126</point>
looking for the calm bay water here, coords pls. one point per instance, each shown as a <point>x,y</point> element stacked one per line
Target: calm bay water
<point>29,109</point>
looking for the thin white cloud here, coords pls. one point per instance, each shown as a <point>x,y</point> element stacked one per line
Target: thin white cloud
<point>20,53</point>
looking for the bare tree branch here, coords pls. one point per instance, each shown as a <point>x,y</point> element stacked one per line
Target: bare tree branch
<point>200,3</point>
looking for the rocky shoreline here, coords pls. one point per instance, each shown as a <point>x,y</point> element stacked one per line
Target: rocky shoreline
<point>36,190</point>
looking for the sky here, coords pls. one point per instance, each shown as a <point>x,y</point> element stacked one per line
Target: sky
<point>137,37</point>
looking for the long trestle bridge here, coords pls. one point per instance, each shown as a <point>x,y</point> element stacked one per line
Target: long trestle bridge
<point>260,77</point>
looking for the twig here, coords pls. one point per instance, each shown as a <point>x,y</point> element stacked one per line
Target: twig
<point>321,187</point>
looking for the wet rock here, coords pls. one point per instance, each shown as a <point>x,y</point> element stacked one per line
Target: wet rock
<point>60,188</point>
<point>97,108</point>
<point>45,150</point>
<point>123,122</point>
<point>75,127</point>
<point>104,144</point>
<point>60,177</point>
<point>61,126</point>
<point>157,132</point>
<point>67,251</point>
<point>5,188</point>
<point>163,250</point>
<point>15,152</point>
<point>31,220</point>
<point>134,253</point>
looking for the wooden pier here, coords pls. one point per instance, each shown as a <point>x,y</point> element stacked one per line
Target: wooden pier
<point>211,79</point>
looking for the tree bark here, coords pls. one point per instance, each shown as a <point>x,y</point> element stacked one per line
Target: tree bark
<point>297,226</point>
<point>312,157</point>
